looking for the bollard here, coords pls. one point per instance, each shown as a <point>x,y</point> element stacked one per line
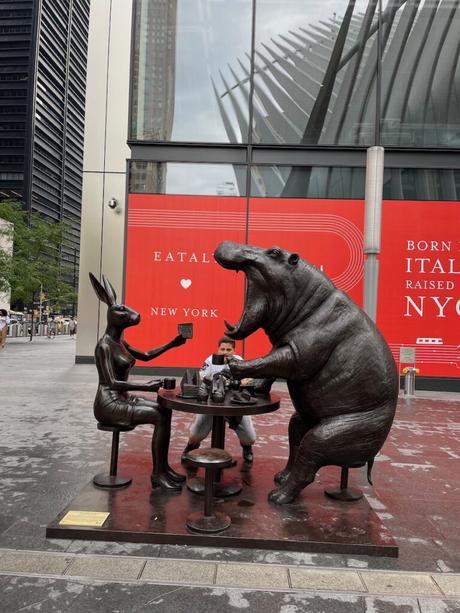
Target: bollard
<point>409,380</point>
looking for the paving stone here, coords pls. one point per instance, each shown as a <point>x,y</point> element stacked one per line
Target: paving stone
<point>252,575</point>
<point>401,583</point>
<point>179,571</point>
<point>332,580</point>
<point>435,605</point>
<point>108,567</point>
<point>43,563</point>
<point>449,584</point>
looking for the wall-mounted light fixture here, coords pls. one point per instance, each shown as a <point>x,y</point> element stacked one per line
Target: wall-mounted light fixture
<point>112,203</point>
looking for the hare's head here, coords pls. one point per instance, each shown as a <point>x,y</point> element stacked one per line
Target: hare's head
<point>118,315</point>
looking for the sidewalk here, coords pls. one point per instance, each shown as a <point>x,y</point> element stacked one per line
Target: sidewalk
<point>50,449</point>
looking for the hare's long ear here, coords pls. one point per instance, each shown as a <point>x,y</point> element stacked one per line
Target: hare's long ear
<point>111,293</point>
<point>100,291</point>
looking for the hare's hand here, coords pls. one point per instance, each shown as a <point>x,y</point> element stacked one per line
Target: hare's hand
<point>153,385</point>
<point>178,341</point>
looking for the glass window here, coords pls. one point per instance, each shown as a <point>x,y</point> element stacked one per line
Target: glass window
<point>421,184</point>
<point>337,182</point>
<point>183,178</point>
<point>183,70</point>
<point>421,74</point>
<point>315,72</point>
<point>307,182</point>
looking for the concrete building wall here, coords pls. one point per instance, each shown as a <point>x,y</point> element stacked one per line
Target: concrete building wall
<point>104,171</point>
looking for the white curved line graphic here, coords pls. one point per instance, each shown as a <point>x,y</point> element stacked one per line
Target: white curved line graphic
<point>281,222</point>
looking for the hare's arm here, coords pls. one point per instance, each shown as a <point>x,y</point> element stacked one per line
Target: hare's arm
<point>145,356</point>
<point>104,360</point>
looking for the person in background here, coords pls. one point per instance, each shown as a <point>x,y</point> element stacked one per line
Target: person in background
<point>4,323</point>
<point>72,327</point>
<point>203,423</point>
<point>51,327</point>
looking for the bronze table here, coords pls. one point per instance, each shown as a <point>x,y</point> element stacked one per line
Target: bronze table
<point>264,404</point>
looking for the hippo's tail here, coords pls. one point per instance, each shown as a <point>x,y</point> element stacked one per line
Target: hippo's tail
<point>370,464</point>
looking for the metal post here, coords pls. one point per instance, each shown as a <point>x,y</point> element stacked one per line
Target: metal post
<point>409,381</point>
<point>114,453</point>
<point>372,227</point>
<point>208,492</point>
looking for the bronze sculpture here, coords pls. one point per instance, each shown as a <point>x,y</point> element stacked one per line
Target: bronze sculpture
<point>114,405</point>
<point>340,372</point>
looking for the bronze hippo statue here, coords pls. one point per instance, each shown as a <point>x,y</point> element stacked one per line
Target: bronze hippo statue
<point>340,372</point>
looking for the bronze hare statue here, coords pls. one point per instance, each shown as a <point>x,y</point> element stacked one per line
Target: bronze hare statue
<point>114,405</point>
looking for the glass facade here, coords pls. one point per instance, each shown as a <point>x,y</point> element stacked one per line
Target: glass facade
<point>300,73</point>
<point>275,103</point>
<point>181,66</point>
<point>187,179</point>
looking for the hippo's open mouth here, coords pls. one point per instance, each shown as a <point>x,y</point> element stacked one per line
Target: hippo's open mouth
<point>233,256</point>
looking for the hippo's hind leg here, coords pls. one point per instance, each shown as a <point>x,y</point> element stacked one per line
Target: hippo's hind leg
<point>297,429</point>
<point>340,440</point>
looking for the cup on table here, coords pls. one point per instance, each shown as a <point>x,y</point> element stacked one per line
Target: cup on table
<point>169,383</point>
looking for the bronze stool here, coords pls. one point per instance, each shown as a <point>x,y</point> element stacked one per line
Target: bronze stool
<point>211,460</point>
<point>345,493</point>
<point>112,480</point>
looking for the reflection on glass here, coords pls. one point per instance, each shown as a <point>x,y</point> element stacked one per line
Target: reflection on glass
<point>323,182</point>
<point>187,179</point>
<point>421,184</point>
<point>315,72</point>
<point>180,70</point>
<point>310,182</point>
<point>421,74</point>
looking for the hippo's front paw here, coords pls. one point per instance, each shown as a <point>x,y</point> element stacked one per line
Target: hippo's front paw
<point>281,495</point>
<point>236,368</point>
<point>282,476</point>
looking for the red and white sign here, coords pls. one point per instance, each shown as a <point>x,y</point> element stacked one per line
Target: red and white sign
<point>327,233</point>
<point>419,296</point>
<point>171,276</point>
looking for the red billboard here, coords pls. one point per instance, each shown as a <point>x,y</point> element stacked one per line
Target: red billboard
<point>171,276</point>
<point>419,298</point>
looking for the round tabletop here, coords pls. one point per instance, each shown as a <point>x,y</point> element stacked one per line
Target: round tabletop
<point>264,404</point>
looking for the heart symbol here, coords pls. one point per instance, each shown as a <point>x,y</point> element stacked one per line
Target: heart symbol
<point>186,283</point>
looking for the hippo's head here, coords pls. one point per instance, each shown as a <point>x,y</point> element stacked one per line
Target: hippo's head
<point>276,279</point>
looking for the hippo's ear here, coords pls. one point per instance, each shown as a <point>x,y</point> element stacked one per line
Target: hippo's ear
<point>293,259</point>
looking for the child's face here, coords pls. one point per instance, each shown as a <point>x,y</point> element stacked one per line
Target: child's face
<point>226,349</point>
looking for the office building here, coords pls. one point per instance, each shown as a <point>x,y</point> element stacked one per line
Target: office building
<point>43,52</point>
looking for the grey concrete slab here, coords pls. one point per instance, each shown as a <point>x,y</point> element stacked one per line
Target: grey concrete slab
<point>449,584</point>
<point>106,567</point>
<point>179,571</point>
<point>252,575</point>
<point>331,580</point>
<point>76,596</point>
<point>44,563</point>
<point>435,605</point>
<point>400,583</point>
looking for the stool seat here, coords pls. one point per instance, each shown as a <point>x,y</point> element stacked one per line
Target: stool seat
<point>209,458</point>
<point>114,428</point>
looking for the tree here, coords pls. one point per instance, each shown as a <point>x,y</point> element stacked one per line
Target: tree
<point>35,264</point>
